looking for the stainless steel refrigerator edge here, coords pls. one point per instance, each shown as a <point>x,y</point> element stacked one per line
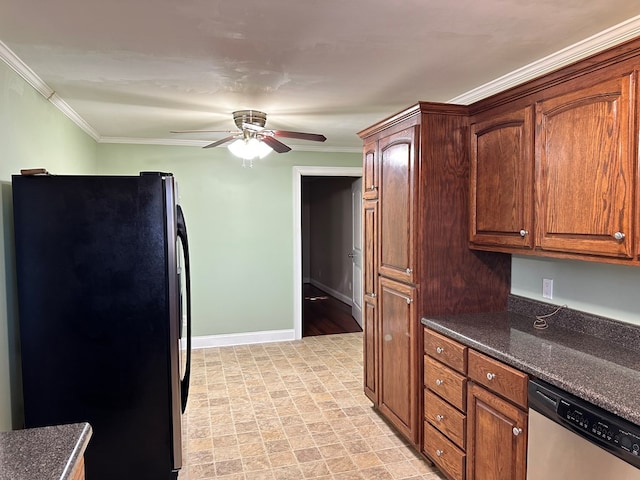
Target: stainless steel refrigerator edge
<point>100,311</point>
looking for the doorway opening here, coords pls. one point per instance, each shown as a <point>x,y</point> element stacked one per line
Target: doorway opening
<point>325,254</point>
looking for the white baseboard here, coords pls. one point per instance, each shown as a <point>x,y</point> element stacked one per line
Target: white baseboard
<point>334,293</point>
<point>226,340</point>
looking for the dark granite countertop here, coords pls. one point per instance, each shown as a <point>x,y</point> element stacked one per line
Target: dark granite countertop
<point>47,453</point>
<point>594,358</point>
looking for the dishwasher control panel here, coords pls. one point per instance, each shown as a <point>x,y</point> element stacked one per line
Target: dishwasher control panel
<point>606,430</point>
<point>615,434</point>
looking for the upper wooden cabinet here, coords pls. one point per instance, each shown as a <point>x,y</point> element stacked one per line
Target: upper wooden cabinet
<point>554,163</point>
<point>397,207</point>
<point>585,170</point>
<point>501,200</point>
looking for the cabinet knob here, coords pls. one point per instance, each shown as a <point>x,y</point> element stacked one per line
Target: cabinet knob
<point>439,453</point>
<point>372,295</point>
<point>439,349</point>
<point>373,187</point>
<point>517,431</point>
<point>439,382</point>
<point>491,376</point>
<point>524,233</point>
<point>409,271</point>
<point>619,236</point>
<point>439,418</point>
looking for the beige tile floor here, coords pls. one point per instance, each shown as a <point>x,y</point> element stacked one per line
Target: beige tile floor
<point>290,411</point>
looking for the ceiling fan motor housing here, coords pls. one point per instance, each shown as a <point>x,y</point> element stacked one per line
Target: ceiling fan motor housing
<point>253,117</point>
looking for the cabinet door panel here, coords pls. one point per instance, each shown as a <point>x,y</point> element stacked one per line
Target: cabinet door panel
<point>397,356</point>
<point>501,197</point>
<point>585,170</point>
<point>370,289</point>
<point>370,349</point>
<point>497,437</point>
<point>397,206</point>
<point>370,171</point>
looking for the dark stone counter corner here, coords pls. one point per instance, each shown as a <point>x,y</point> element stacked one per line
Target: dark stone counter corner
<point>592,357</point>
<point>46,453</point>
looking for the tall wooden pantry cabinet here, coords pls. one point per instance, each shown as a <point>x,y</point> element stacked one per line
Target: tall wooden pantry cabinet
<point>417,260</point>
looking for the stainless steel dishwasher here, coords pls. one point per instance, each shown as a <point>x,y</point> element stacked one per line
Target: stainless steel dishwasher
<point>571,439</point>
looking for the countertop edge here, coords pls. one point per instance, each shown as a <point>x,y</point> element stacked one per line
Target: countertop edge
<point>78,452</point>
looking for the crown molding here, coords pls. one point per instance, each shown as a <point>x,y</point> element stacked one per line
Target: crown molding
<point>29,76</point>
<point>596,43</point>
<point>202,143</point>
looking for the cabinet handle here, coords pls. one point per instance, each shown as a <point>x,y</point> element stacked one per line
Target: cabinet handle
<point>439,453</point>
<point>439,418</point>
<point>619,236</point>
<point>439,349</point>
<point>439,382</point>
<point>373,187</point>
<point>517,431</point>
<point>372,295</point>
<point>524,233</point>
<point>409,271</point>
<point>491,376</point>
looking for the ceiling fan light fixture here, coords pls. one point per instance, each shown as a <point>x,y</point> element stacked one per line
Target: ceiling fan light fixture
<point>249,148</point>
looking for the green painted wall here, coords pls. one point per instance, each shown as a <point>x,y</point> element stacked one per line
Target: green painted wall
<point>33,133</point>
<point>608,290</point>
<point>240,223</point>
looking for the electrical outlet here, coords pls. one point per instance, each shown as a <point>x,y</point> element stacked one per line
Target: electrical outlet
<point>547,288</point>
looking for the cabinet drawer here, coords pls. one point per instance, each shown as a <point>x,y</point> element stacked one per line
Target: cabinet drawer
<point>449,458</point>
<point>445,382</point>
<point>445,418</point>
<point>445,350</point>
<point>498,377</point>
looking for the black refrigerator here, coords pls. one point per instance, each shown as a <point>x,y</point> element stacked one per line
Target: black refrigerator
<point>102,267</point>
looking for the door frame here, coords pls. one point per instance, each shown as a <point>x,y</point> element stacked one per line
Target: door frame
<point>298,173</point>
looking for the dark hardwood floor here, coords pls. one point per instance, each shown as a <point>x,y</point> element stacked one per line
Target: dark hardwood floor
<point>323,314</point>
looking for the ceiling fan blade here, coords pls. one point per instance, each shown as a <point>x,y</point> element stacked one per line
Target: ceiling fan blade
<point>277,145</point>
<point>202,131</point>
<point>220,142</point>
<point>301,135</point>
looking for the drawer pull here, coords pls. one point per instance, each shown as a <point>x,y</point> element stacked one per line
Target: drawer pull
<point>439,418</point>
<point>439,382</point>
<point>439,349</point>
<point>619,236</point>
<point>491,376</point>
<point>439,453</point>
<point>524,233</point>
<point>517,431</point>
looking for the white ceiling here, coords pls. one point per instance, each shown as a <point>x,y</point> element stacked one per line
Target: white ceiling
<point>136,69</point>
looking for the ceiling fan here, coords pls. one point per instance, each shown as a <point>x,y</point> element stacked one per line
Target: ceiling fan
<point>251,125</point>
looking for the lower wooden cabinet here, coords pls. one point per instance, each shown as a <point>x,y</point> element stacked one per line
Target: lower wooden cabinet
<point>78,473</point>
<point>475,417</point>
<point>449,458</point>
<point>397,357</point>
<point>496,437</point>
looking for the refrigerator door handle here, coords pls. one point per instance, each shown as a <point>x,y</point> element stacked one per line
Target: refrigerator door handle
<point>182,235</point>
